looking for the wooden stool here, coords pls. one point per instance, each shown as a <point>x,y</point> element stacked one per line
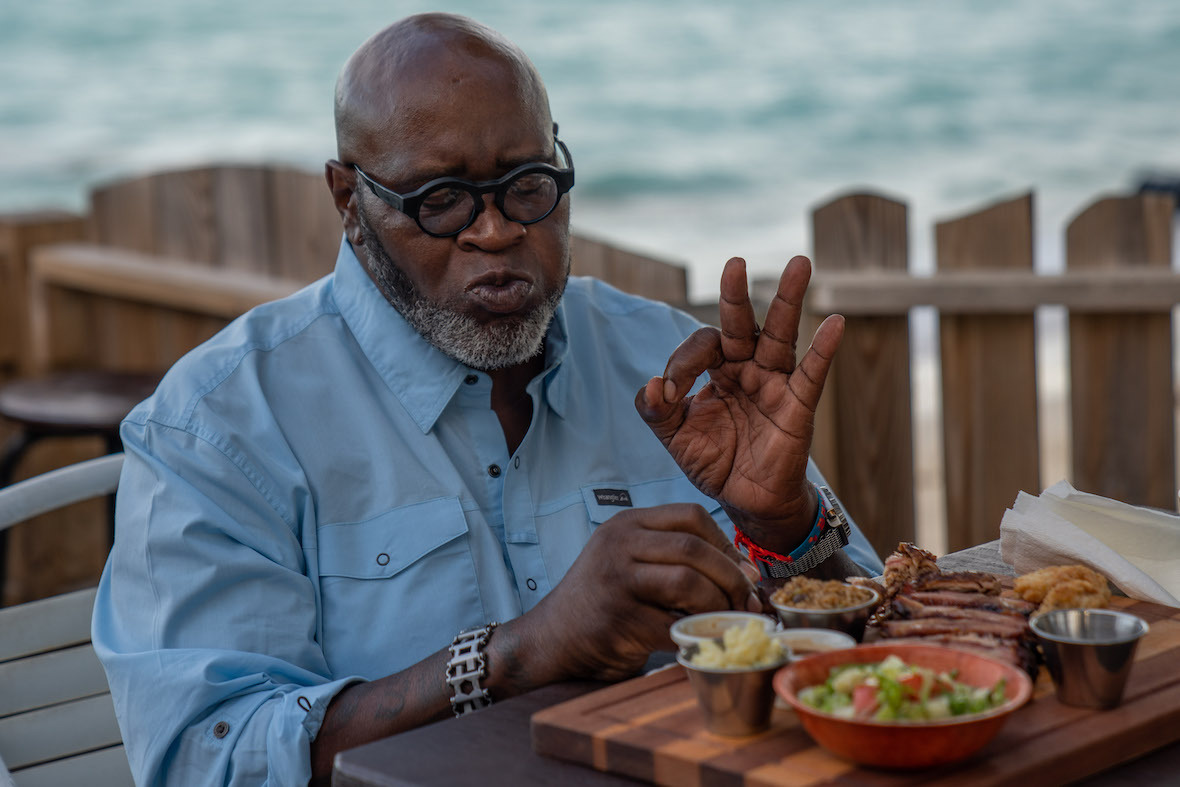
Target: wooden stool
<point>66,404</point>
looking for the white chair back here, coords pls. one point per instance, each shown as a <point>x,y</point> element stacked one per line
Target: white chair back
<point>57,721</point>
<point>59,488</point>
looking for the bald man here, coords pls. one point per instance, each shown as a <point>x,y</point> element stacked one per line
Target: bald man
<point>445,475</point>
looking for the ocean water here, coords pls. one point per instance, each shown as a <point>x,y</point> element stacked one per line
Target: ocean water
<point>700,129</point>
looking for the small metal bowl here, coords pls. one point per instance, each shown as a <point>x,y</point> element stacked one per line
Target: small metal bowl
<point>1089,653</point>
<point>850,620</point>
<point>803,642</point>
<point>694,629</point>
<point>736,701</point>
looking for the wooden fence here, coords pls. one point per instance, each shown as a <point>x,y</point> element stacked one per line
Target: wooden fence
<point>1118,292</point>
<point>160,263</point>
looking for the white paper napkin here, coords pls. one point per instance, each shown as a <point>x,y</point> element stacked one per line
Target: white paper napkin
<point>1137,548</point>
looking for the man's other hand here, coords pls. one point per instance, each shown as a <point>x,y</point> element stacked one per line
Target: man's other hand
<point>640,571</point>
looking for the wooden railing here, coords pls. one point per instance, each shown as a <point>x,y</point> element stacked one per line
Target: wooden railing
<point>1118,291</point>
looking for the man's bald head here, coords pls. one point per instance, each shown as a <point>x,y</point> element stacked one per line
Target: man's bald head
<point>389,81</point>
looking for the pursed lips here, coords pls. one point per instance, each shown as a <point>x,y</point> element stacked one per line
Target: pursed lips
<point>502,292</point>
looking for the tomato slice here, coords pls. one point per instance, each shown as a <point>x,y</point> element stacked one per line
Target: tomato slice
<point>912,683</point>
<point>864,700</point>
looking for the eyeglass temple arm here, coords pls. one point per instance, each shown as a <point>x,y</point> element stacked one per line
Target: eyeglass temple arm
<point>391,197</point>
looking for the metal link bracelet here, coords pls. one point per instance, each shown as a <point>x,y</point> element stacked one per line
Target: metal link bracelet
<point>467,668</point>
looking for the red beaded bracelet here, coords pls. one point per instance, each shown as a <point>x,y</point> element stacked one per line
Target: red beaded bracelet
<point>764,555</point>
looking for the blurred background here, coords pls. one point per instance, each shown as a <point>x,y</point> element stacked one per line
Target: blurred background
<point>700,129</point>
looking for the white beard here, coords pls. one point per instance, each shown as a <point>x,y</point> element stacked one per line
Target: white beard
<point>497,345</point>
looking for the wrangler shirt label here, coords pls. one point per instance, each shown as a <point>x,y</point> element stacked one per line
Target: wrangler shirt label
<point>612,497</point>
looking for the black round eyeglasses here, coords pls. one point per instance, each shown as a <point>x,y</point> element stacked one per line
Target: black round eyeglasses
<point>447,206</point>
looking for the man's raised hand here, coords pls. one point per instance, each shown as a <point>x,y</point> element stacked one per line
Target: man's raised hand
<point>744,438</point>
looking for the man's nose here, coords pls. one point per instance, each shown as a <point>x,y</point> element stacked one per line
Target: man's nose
<point>491,230</point>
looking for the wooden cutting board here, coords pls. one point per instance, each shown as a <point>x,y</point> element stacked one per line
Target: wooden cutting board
<point>651,728</point>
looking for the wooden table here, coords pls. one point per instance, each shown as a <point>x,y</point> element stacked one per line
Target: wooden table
<point>494,746</point>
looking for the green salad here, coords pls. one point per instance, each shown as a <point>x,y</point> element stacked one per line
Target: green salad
<point>892,690</point>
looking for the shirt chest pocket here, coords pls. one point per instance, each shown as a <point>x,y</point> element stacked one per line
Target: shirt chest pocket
<point>395,588</point>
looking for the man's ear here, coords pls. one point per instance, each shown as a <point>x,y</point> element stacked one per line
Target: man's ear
<point>342,182</point>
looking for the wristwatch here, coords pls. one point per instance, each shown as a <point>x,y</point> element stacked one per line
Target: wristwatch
<point>828,536</point>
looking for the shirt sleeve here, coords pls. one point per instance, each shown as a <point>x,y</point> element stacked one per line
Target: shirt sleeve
<point>204,620</point>
<point>859,548</point>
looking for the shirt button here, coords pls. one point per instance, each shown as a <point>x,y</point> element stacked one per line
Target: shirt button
<point>471,379</point>
<point>494,471</point>
<point>220,729</point>
<point>532,583</point>
<point>516,462</point>
<point>382,559</point>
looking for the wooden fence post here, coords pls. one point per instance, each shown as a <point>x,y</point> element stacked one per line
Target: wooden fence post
<point>304,226</point>
<point>20,232</point>
<point>1121,364</point>
<point>864,426</point>
<point>989,393</point>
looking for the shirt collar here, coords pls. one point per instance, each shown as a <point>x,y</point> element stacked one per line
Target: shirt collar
<point>557,374</point>
<point>423,379</point>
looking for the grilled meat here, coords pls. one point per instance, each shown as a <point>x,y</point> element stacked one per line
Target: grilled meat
<point>948,598</point>
<point>905,566</point>
<point>960,582</point>
<point>906,606</point>
<point>940,625</point>
<point>962,609</point>
<point>1020,653</point>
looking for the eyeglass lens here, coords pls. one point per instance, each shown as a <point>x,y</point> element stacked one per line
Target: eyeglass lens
<point>526,198</point>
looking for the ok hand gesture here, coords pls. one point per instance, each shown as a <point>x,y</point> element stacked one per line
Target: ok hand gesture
<point>744,438</point>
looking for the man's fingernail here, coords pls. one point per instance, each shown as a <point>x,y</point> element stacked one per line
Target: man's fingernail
<point>754,604</point>
<point>669,391</point>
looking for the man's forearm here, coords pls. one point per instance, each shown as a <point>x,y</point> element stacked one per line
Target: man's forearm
<point>365,712</point>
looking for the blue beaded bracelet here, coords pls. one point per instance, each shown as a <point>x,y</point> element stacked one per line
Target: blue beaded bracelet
<point>763,555</point>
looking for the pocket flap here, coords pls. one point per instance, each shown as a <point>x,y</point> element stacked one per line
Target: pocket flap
<point>387,543</point>
<point>606,498</point>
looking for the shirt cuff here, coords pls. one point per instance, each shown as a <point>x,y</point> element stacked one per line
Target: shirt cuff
<point>313,702</point>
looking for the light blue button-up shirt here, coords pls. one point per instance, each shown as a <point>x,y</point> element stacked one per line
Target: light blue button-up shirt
<point>317,496</point>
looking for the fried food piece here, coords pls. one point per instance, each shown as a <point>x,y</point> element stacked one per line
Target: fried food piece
<point>1035,585</point>
<point>1075,594</point>
<point>1064,587</point>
